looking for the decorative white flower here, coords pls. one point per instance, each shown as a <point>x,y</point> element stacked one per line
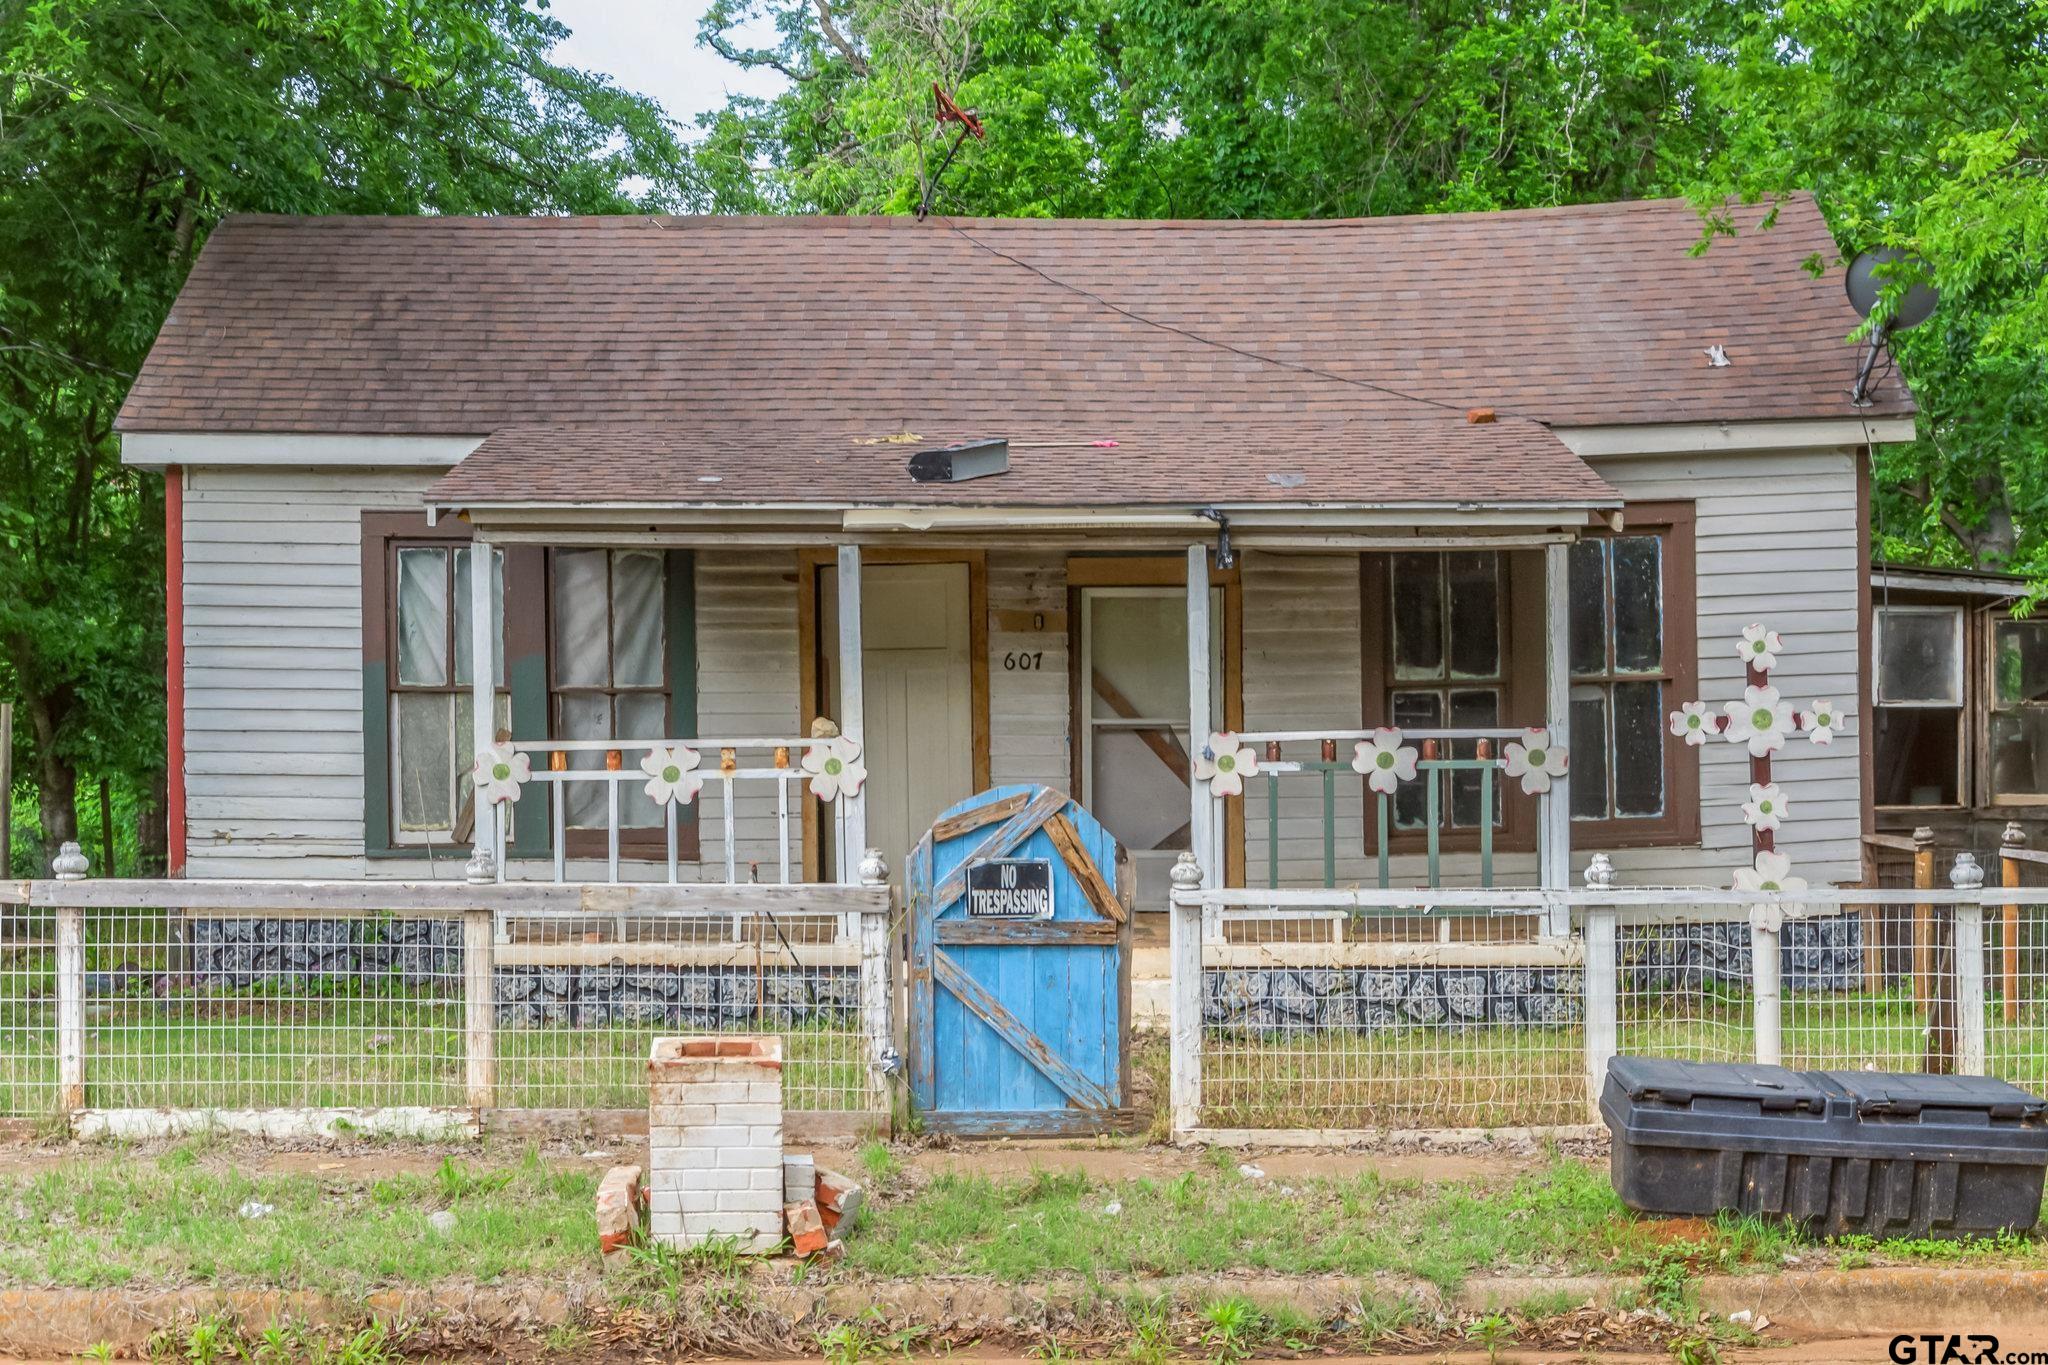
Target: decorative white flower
<point>1759,648</point>
<point>1822,722</point>
<point>1771,873</point>
<point>1760,719</point>
<point>499,773</point>
<point>1692,722</point>
<point>1766,806</point>
<point>1224,764</point>
<point>835,767</point>
<point>672,774</point>
<point>1385,761</point>
<point>1535,760</point>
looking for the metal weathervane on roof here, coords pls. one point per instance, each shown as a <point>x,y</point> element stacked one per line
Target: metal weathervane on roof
<point>1761,720</point>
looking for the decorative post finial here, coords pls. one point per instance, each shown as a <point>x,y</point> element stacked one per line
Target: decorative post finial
<point>1600,875</point>
<point>481,869</point>
<point>69,865</point>
<point>873,868</point>
<point>1187,873</point>
<point>2014,836</point>
<point>1967,874</point>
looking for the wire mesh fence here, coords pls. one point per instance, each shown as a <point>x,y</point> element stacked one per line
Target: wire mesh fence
<point>1433,1020</point>
<point>332,1008</point>
<point>28,1012</point>
<point>578,1000</point>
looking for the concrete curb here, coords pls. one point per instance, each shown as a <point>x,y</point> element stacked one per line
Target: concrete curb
<point>1804,1303</point>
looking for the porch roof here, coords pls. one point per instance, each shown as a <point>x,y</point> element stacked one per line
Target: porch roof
<point>1156,460</point>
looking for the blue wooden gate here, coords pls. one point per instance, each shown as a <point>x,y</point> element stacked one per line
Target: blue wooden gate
<point>1020,1009</point>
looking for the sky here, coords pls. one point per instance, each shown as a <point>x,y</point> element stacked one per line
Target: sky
<point>650,47</point>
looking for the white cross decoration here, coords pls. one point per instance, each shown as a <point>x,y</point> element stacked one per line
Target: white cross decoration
<point>1761,720</point>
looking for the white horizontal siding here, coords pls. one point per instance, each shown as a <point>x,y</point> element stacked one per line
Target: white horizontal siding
<point>1776,543</point>
<point>273,667</point>
<point>1030,739</point>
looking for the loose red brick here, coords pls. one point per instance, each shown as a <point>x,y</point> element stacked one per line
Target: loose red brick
<point>807,1235</point>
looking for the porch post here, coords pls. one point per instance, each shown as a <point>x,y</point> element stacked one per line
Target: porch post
<point>1554,859</point>
<point>483,680</point>
<point>1201,813</point>
<point>853,828</point>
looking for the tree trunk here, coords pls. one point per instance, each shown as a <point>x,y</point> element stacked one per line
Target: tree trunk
<point>153,830</point>
<point>56,781</point>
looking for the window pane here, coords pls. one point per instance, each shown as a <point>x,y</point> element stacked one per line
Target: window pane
<point>2019,752</point>
<point>1472,708</point>
<point>2022,662</point>
<point>1638,748</point>
<point>1638,608</point>
<point>1588,592</point>
<point>641,715</point>
<point>1138,647</point>
<point>579,603</point>
<point>423,777</point>
<point>423,617</point>
<point>1418,615</point>
<point>1589,753</point>
<point>1135,793</point>
<point>1414,711</point>
<point>1917,754</point>
<point>1474,578</point>
<point>639,639</point>
<point>1918,656</point>
<point>461,608</point>
<point>585,717</point>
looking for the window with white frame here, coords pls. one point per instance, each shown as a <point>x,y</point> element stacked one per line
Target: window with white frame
<point>1919,702</point>
<point>431,691</point>
<point>2017,748</point>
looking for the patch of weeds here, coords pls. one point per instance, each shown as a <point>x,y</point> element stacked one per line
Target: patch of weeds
<point>563,1338</point>
<point>1234,1329</point>
<point>456,1180</point>
<point>99,1350</point>
<point>877,1162</point>
<point>865,1338</point>
<point>1696,1350</point>
<point>1297,1330</point>
<point>212,1338</point>
<point>1554,1303</point>
<point>1380,1318</point>
<point>1051,1351</point>
<point>1151,1319</point>
<point>1669,1286</point>
<point>1491,1334</point>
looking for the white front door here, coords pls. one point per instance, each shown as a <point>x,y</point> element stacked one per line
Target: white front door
<point>919,688</point>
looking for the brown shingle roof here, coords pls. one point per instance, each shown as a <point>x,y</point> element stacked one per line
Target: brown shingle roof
<point>801,334</point>
<point>1364,461</point>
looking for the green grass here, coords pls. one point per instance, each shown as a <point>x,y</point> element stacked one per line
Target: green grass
<point>105,1221</point>
<point>115,1219</point>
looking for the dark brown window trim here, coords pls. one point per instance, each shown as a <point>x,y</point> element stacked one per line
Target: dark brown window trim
<point>1679,826</point>
<point>1521,692</point>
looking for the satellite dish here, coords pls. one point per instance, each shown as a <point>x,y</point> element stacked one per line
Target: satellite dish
<point>1867,277</point>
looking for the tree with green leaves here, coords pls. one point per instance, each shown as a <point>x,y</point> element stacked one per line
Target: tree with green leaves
<point>126,132</point>
<point>1918,123</point>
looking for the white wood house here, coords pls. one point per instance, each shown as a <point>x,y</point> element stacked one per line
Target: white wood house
<point>1464,475</point>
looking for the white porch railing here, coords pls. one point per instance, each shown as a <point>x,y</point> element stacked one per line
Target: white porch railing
<point>758,779</point>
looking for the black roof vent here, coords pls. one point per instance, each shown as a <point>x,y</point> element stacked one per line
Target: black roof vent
<point>960,462</point>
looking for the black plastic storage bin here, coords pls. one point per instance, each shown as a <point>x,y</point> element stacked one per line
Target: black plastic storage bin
<point>1838,1151</point>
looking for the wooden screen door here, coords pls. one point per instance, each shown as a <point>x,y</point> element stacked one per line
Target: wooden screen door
<point>1020,989</point>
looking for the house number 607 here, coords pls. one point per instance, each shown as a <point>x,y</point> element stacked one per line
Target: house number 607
<point>1024,661</point>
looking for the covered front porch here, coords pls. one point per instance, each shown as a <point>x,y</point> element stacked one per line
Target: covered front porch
<point>1102,660</point>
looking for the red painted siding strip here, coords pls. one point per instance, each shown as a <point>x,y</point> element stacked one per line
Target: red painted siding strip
<point>174,653</point>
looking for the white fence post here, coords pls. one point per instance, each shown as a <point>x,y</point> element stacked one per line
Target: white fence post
<point>877,987</point>
<point>69,866</point>
<point>1602,982</point>
<point>1967,929</point>
<point>1766,922</point>
<point>1554,808</point>
<point>479,1012</point>
<point>1184,1013</point>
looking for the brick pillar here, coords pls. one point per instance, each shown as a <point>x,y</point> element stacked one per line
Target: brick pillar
<point>714,1138</point>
